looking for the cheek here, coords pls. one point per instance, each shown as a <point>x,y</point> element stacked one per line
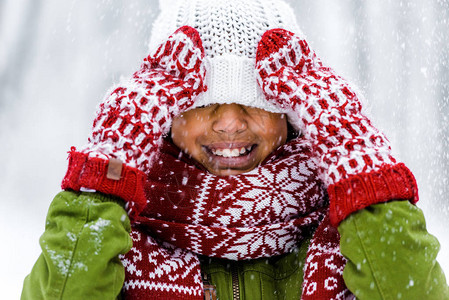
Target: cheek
<point>180,132</point>
<point>185,134</point>
<point>276,132</point>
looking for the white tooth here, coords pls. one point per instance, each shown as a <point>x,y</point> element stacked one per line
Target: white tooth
<point>214,152</point>
<point>235,152</point>
<point>219,152</point>
<point>242,150</point>
<point>248,148</point>
<point>226,152</point>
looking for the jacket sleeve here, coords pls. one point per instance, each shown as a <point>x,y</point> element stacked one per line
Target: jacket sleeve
<point>84,234</point>
<point>390,254</point>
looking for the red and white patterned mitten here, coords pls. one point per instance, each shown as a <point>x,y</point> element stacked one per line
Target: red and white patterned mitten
<point>355,158</point>
<point>131,121</point>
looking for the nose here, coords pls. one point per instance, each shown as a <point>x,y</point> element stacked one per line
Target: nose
<point>229,119</point>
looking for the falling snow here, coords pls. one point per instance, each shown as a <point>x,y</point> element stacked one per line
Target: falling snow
<point>59,57</point>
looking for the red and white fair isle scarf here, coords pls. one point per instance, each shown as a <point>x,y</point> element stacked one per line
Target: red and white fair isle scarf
<point>266,212</point>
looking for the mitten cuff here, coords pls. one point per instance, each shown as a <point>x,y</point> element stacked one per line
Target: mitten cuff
<point>91,173</point>
<point>391,182</point>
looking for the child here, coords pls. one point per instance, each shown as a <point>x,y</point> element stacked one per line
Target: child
<point>247,171</point>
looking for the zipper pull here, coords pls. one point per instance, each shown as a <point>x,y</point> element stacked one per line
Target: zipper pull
<point>210,291</point>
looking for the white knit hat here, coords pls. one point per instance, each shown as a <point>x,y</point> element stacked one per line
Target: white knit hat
<point>230,30</point>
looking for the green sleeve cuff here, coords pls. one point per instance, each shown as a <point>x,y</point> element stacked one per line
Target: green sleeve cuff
<point>390,254</point>
<point>84,234</point>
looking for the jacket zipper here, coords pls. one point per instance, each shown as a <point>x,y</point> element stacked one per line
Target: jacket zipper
<point>235,283</point>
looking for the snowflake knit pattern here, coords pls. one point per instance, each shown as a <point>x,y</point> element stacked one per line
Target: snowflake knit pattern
<point>131,121</point>
<point>323,271</point>
<point>262,213</point>
<point>355,158</point>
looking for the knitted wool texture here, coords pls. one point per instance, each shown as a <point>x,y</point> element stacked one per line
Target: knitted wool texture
<point>262,213</point>
<point>324,265</point>
<point>230,31</point>
<point>355,158</point>
<point>132,119</point>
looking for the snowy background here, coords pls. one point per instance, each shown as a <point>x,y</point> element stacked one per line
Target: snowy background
<point>57,59</point>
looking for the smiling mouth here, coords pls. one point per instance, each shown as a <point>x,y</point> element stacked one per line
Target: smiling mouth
<point>231,156</point>
<point>232,152</point>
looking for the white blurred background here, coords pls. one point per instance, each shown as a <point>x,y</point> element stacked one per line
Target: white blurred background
<point>58,58</point>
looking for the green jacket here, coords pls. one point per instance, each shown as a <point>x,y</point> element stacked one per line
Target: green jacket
<point>390,256</point>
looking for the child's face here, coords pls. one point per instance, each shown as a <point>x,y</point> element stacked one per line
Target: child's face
<point>229,139</point>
